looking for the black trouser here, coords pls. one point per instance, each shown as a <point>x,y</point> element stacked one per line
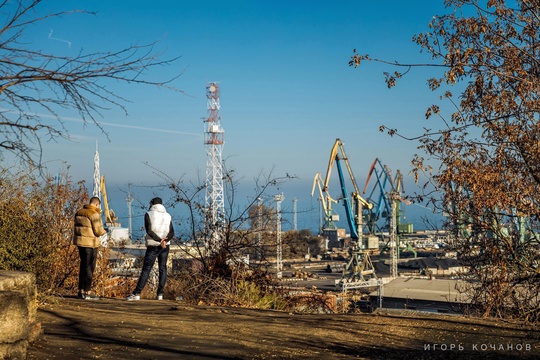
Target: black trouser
<point>88,265</point>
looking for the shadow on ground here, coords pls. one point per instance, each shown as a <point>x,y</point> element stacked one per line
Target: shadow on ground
<point>147,329</point>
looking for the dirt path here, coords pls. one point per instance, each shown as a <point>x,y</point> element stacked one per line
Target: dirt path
<point>116,329</point>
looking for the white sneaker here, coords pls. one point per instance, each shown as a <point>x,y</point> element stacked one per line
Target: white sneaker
<point>91,297</point>
<point>133,297</point>
<point>159,297</point>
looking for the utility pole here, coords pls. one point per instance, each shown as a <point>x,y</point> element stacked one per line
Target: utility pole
<point>259,220</point>
<point>129,200</point>
<point>394,197</point>
<point>295,224</point>
<point>259,228</point>
<point>279,260</point>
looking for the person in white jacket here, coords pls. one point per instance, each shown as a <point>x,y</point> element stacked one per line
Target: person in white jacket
<point>159,232</point>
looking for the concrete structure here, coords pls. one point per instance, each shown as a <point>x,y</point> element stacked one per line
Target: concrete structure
<point>334,236</point>
<point>431,266</point>
<point>18,310</point>
<point>422,294</point>
<point>123,263</point>
<point>119,236</point>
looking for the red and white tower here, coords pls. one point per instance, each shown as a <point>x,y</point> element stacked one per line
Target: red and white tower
<point>213,142</point>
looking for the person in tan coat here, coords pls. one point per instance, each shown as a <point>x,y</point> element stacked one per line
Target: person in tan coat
<point>87,232</point>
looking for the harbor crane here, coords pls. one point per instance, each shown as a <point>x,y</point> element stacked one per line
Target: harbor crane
<point>386,197</point>
<point>359,270</point>
<point>381,203</point>
<point>354,216</point>
<point>110,217</point>
<point>326,202</point>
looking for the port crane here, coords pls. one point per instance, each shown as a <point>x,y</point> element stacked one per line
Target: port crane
<point>386,186</point>
<point>354,215</point>
<point>326,202</point>
<point>359,270</point>
<point>110,217</point>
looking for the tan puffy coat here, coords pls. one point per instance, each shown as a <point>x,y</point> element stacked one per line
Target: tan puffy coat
<point>88,227</point>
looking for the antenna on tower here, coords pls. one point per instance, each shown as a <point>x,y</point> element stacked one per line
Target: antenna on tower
<point>213,142</point>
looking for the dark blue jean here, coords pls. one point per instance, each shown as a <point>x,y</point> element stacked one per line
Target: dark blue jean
<point>153,252</point>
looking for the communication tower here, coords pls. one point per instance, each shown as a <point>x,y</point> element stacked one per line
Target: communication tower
<point>213,142</point>
<point>97,176</point>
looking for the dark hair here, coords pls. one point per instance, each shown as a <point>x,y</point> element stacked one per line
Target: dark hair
<point>155,201</point>
<point>94,199</point>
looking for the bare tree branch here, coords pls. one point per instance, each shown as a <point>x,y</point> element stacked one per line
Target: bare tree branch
<point>34,82</point>
<point>489,148</point>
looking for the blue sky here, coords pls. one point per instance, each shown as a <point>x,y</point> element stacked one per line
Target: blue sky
<point>287,91</point>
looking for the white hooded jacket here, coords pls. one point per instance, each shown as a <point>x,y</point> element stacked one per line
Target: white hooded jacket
<point>160,224</point>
